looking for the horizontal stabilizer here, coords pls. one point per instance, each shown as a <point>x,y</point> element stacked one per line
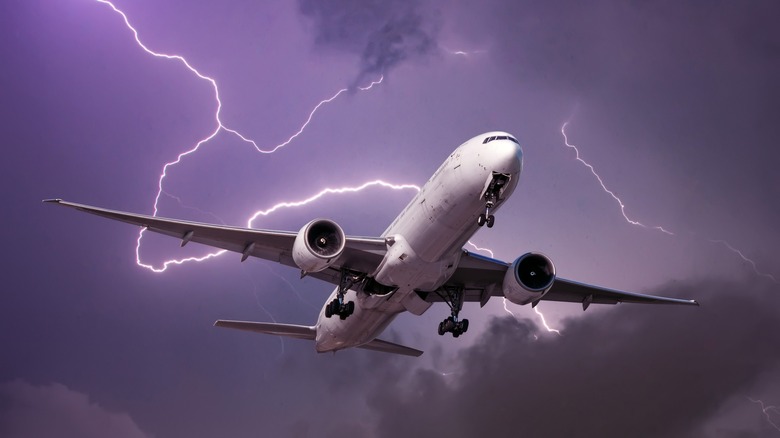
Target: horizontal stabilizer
<point>389,347</point>
<point>310,333</point>
<point>288,330</point>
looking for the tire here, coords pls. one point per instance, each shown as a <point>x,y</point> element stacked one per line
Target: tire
<point>490,221</point>
<point>455,333</point>
<point>328,311</point>
<point>441,328</point>
<point>481,220</point>
<point>465,325</point>
<point>350,308</point>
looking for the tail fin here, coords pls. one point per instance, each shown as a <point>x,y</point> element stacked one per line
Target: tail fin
<point>310,333</point>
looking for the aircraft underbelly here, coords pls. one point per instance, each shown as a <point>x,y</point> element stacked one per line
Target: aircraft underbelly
<point>363,326</point>
<point>424,248</point>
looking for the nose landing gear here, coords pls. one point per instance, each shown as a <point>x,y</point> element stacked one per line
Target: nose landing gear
<point>491,196</point>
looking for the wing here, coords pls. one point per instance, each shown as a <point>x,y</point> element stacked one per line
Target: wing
<point>482,277</point>
<point>362,254</point>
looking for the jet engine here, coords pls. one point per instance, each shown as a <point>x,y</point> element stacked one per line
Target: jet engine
<point>318,244</point>
<point>528,278</point>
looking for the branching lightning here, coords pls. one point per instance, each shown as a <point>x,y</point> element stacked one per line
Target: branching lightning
<point>330,191</point>
<point>659,228</point>
<point>288,204</point>
<point>768,411</point>
<point>544,322</point>
<point>220,127</point>
<point>541,317</point>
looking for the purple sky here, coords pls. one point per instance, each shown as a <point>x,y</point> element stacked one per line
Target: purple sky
<point>675,104</point>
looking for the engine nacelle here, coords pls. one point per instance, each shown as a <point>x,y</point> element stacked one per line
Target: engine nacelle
<point>528,278</point>
<point>318,244</point>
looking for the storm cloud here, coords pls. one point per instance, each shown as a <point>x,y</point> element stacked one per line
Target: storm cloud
<point>28,410</point>
<point>674,103</point>
<point>382,33</point>
<point>633,371</point>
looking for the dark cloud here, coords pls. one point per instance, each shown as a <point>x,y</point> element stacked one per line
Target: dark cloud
<point>382,33</point>
<point>54,410</point>
<point>634,371</point>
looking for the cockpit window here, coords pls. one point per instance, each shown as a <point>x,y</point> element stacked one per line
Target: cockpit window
<point>499,137</point>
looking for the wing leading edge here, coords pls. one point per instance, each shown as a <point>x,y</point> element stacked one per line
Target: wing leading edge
<point>482,277</point>
<point>362,254</point>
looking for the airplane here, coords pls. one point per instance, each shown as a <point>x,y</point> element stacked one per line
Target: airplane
<point>419,260</point>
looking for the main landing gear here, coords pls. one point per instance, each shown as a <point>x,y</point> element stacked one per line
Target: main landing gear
<point>486,217</point>
<point>491,197</point>
<point>338,306</point>
<point>454,298</point>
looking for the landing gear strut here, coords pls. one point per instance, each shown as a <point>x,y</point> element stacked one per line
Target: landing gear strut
<point>454,298</point>
<point>338,306</point>
<point>491,197</point>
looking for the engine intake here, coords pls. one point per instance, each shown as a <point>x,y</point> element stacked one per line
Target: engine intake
<point>318,244</point>
<point>528,278</point>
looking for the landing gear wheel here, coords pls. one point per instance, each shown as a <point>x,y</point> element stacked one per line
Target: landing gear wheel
<point>328,311</point>
<point>454,298</point>
<point>481,220</point>
<point>350,308</point>
<point>490,221</point>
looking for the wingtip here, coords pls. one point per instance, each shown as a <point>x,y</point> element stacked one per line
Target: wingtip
<point>52,201</point>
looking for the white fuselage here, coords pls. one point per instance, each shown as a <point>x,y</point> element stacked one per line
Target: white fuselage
<point>426,240</point>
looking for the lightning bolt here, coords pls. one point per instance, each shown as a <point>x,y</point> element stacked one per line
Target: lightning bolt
<point>741,255</point>
<point>541,317</point>
<point>489,251</point>
<point>603,186</point>
<point>281,205</point>
<point>768,410</point>
<point>464,53</point>
<point>544,322</point>
<point>330,191</point>
<point>659,228</point>
<point>220,126</point>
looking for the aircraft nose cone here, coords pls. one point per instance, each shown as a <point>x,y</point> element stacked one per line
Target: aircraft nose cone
<point>507,156</point>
